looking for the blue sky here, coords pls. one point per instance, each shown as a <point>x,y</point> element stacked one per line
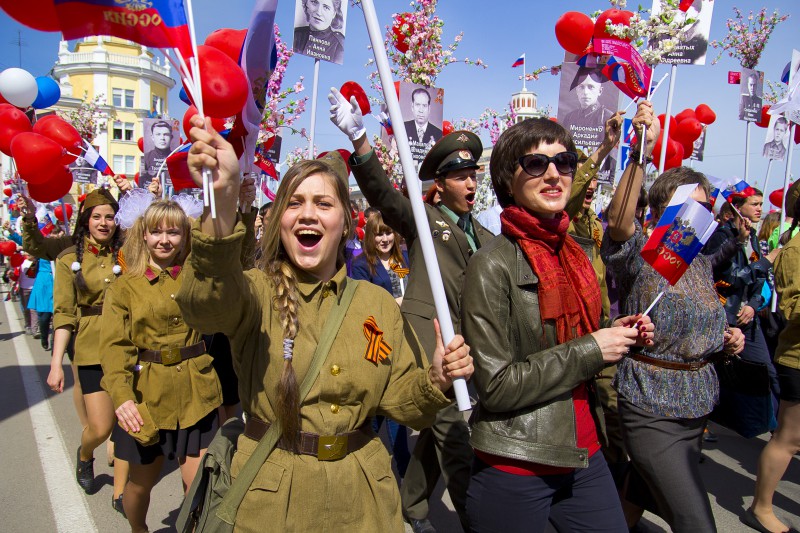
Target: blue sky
<point>497,35</point>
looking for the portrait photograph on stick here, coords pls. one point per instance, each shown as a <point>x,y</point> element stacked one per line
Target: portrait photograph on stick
<point>319,29</point>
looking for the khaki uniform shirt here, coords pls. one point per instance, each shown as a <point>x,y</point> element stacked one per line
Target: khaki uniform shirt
<point>140,312</point>
<point>298,492</point>
<point>34,243</point>
<point>97,265</point>
<point>787,283</point>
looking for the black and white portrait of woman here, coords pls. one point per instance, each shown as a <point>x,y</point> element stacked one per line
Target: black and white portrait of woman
<point>319,27</point>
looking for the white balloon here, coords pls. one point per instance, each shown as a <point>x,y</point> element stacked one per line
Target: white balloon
<point>18,87</point>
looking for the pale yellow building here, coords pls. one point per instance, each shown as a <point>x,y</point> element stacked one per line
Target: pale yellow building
<point>133,84</point>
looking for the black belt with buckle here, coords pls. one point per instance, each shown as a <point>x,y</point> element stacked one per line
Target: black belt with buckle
<point>323,447</point>
<point>172,356</point>
<point>90,310</point>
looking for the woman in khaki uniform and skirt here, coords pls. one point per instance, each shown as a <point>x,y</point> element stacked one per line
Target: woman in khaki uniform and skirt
<point>273,316</point>
<point>161,379</point>
<point>83,273</point>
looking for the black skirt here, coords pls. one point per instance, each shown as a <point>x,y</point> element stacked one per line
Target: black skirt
<point>181,442</point>
<point>89,377</point>
<point>789,379</point>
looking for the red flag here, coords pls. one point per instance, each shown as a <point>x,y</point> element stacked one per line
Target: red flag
<point>156,23</point>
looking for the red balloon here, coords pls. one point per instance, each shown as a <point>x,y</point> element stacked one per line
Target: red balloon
<point>224,86</point>
<point>216,123</point>
<point>140,144</point>
<point>689,130</point>
<point>673,124</point>
<point>688,148</point>
<point>228,41</point>
<point>12,122</point>
<point>683,115</point>
<point>765,116</point>
<point>362,221</point>
<point>402,41</point>
<point>657,148</point>
<point>16,260</point>
<point>38,158</point>
<point>136,178</point>
<point>447,127</point>
<point>776,198</point>
<point>59,212</point>
<point>616,16</point>
<point>81,198</point>
<point>7,191</point>
<point>574,31</point>
<point>7,248</point>
<point>179,171</point>
<point>705,114</point>
<point>64,134</point>
<point>674,153</point>
<point>351,88</point>
<point>53,189</point>
<point>37,14</point>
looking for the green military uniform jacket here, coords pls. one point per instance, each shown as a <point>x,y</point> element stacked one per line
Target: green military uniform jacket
<point>586,228</point>
<point>449,241</point>
<point>34,243</point>
<point>787,283</point>
<point>97,265</point>
<point>140,312</point>
<point>298,492</point>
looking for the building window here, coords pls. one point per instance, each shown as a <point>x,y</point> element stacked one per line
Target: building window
<point>122,97</point>
<point>130,165</point>
<point>124,164</point>
<point>119,163</point>
<point>157,105</point>
<point>122,131</point>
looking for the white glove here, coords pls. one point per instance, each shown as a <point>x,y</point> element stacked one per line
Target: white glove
<point>346,115</point>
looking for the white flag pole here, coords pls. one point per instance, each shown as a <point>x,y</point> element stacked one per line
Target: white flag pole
<point>414,192</point>
<point>673,71</point>
<point>314,88</point>
<point>747,153</point>
<point>766,179</point>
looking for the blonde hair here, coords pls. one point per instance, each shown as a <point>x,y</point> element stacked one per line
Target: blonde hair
<point>768,225</point>
<point>376,226</point>
<point>137,257</point>
<point>276,263</point>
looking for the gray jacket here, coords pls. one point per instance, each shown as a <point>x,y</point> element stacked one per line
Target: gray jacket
<point>524,378</point>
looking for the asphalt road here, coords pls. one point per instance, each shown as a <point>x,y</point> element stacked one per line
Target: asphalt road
<point>39,435</point>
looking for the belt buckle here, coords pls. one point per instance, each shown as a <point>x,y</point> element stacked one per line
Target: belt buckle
<point>331,447</point>
<point>171,356</point>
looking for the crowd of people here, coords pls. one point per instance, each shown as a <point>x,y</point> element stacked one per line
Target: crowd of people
<point>586,411</point>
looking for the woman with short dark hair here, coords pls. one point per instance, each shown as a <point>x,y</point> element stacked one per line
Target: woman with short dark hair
<point>531,310</point>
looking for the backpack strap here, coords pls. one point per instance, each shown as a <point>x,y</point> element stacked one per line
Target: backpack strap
<point>230,503</point>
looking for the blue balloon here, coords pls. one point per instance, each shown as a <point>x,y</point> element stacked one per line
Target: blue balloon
<point>184,97</point>
<point>49,92</point>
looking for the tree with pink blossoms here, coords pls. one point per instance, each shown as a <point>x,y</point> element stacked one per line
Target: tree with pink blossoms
<point>747,36</point>
<point>86,118</point>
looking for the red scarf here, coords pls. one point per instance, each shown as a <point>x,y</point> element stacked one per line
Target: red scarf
<point>568,290</point>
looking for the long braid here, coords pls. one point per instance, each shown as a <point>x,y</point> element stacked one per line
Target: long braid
<point>287,303</point>
<point>80,246</point>
<point>787,235</point>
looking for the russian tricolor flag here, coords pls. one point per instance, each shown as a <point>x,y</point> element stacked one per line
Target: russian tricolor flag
<point>94,158</point>
<point>680,234</point>
<point>156,23</point>
<point>519,62</point>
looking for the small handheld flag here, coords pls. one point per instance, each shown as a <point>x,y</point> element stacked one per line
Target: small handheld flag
<point>519,62</point>
<point>94,158</point>
<point>680,234</point>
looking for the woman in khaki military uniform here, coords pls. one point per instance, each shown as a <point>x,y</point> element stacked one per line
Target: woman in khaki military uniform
<point>273,316</point>
<point>83,273</point>
<point>160,377</point>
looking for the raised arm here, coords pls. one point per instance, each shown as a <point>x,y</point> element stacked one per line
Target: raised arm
<point>369,174</point>
<point>33,241</point>
<point>622,210</point>
<point>589,169</point>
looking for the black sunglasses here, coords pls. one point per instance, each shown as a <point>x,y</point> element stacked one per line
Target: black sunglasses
<point>536,164</point>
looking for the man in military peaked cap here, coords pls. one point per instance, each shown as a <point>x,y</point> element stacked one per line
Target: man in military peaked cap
<point>452,164</point>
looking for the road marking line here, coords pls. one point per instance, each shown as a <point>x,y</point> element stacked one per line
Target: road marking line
<point>67,501</point>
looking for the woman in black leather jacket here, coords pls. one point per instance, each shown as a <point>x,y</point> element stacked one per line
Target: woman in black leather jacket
<point>531,310</point>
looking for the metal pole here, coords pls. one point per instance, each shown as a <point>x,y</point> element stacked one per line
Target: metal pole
<point>786,177</point>
<point>673,71</point>
<point>414,192</point>
<point>315,86</point>
<point>766,179</point>
<point>747,153</point>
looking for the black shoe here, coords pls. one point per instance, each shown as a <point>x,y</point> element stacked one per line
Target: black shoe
<point>749,518</point>
<point>116,504</point>
<point>421,526</point>
<point>84,473</point>
<point>708,436</point>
